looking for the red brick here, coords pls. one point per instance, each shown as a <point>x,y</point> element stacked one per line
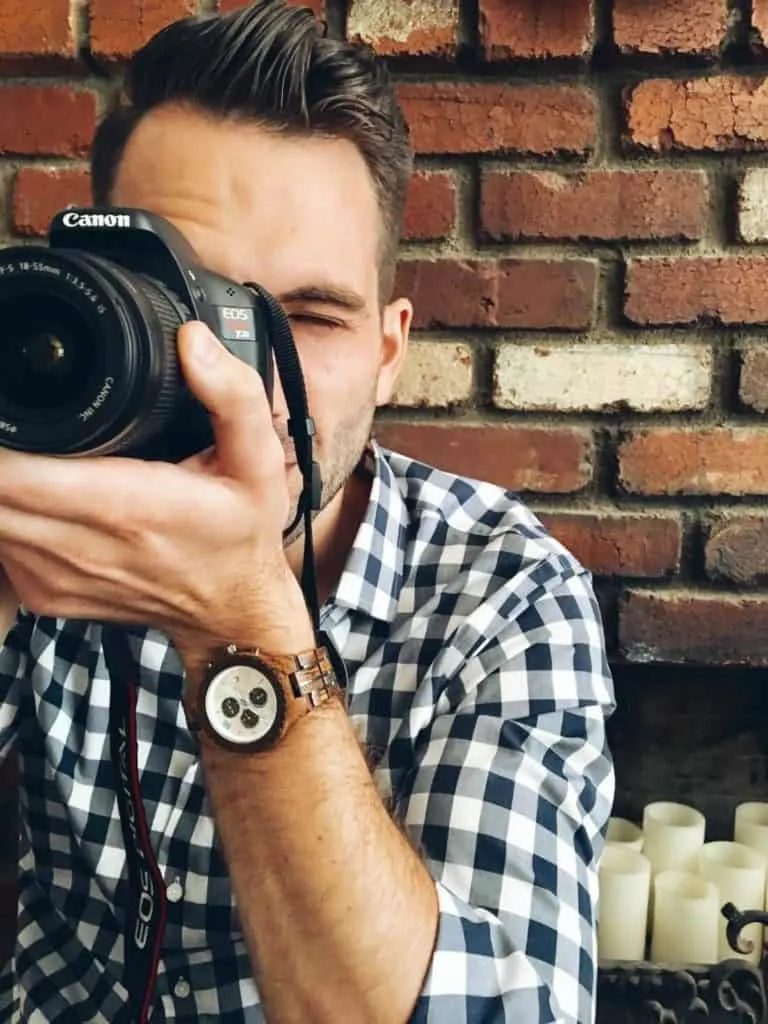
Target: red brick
<point>317,6</point>
<point>753,382</point>
<point>119,27</point>
<point>393,27</point>
<point>727,112</point>
<point>619,545</point>
<point>479,117</point>
<point>737,551</point>
<point>41,192</point>
<point>39,29</point>
<point>513,29</point>
<point>430,210</point>
<point>684,291</point>
<point>507,293</point>
<point>719,460</point>
<point>46,120</point>
<point>682,626</point>
<point>685,26</point>
<point>554,461</point>
<point>603,205</point>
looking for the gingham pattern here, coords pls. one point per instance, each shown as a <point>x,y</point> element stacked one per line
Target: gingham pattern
<point>479,682</point>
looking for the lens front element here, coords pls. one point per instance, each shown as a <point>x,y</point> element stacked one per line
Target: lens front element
<point>47,358</point>
<point>88,360</point>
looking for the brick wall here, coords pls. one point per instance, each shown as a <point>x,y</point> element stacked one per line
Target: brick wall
<point>586,248</point>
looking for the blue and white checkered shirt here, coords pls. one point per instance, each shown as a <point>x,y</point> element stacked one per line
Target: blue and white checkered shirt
<point>479,683</point>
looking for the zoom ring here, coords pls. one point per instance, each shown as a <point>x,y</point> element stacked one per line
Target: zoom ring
<point>169,314</point>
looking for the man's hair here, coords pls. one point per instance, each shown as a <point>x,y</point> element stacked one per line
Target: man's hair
<point>269,64</point>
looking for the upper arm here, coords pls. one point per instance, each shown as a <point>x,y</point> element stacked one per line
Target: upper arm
<point>510,799</point>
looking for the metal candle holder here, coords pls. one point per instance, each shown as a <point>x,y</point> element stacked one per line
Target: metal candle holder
<point>724,993</point>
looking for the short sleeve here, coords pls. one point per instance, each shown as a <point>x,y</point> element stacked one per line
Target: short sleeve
<point>509,804</point>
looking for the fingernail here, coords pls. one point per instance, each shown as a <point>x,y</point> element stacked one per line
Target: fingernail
<point>205,348</point>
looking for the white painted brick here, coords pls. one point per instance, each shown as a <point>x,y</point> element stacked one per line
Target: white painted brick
<point>397,20</point>
<point>436,374</point>
<point>603,377</point>
<point>753,205</point>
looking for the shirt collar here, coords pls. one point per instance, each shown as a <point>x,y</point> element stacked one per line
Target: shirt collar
<point>373,574</point>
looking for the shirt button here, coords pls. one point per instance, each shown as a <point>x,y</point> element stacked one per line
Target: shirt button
<point>174,892</point>
<point>181,989</point>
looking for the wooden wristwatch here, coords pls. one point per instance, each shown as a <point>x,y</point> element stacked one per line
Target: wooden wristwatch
<point>249,699</point>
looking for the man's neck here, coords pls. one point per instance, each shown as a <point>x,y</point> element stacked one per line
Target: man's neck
<point>333,534</point>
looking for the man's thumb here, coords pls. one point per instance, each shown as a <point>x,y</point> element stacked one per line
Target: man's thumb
<point>233,394</point>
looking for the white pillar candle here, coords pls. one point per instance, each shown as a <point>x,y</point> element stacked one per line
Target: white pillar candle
<point>739,874</point>
<point>750,826</point>
<point>625,880</point>
<point>685,909</point>
<point>673,835</point>
<point>625,832</point>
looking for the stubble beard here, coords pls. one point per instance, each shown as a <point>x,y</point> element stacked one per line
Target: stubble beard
<point>337,466</point>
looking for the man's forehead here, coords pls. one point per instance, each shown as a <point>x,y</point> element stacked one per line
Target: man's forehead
<point>299,211</point>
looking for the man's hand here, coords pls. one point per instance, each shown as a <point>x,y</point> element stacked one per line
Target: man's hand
<point>194,549</point>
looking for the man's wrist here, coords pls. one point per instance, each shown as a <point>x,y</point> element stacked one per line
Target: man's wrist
<point>249,700</point>
<point>289,634</point>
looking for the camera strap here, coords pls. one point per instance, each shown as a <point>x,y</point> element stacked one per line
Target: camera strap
<point>147,903</point>
<point>301,428</point>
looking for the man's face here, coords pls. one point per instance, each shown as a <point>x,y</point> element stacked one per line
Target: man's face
<point>299,216</point>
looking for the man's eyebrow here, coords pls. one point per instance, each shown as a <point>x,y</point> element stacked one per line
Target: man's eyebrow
<point>327,295</point>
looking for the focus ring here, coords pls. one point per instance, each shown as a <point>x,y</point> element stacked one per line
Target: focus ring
<point>169,314</point>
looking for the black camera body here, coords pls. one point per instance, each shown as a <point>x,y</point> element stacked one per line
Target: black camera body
<point>88,325</point>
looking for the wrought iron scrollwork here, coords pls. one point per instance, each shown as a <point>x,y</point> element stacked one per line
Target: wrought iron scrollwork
<point>730,992</point>
<point>738,919</point>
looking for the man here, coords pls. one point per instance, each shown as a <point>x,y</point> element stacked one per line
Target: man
<point>424,847</point>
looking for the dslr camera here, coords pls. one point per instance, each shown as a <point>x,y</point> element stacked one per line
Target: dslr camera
<point>88,324</point>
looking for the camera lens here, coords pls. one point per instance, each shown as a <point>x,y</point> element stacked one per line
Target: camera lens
<point>88,361</point>
<point>46,357</point>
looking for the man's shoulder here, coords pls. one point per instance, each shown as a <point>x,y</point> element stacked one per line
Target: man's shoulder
<point>483,517</point>
<point>486,582</point>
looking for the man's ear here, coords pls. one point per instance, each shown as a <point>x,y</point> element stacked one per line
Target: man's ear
<point>395,329</point>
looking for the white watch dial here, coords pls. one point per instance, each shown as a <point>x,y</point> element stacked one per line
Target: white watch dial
<point>241,704</point>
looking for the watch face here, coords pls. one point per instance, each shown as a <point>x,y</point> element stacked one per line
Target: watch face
<point>244,706</point>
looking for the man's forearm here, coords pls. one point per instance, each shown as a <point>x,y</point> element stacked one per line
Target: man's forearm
<point>338,912</point>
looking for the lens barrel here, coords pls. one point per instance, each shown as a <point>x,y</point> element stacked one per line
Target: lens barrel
<point>88,360</point>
